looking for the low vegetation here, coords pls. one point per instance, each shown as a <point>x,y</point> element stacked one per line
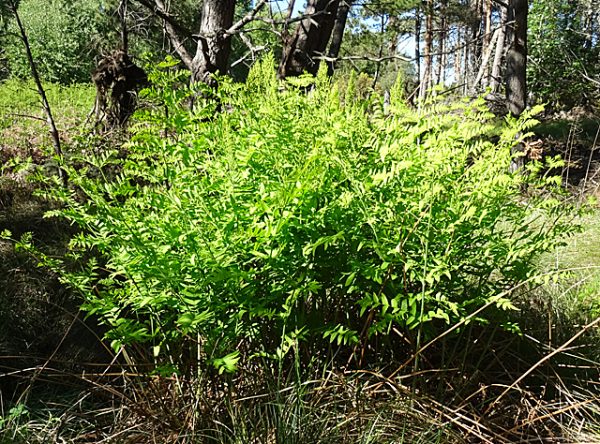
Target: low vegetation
<point>298,262</point>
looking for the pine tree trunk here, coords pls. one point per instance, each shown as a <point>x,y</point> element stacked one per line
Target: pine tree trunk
<point>338,33</point>
<point>516,67</point>
<point>484,67</point>
<point>487,38</point>
<point>473,48</point>
<point>457,56</point>
<point>516,58</point>
<point>428,57</point>
<point>418,45</point>
<point>309,41</point>
<point>495,78</point>
<point>214,47</point>
<point>466,57</point>
<point>442,57</point>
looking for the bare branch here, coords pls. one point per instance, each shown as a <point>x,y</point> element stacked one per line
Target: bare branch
<point>174,33</point>
<point>590,79</point>
<point>363,58</point>
<point>236,27</point>
<point>174,30</point>
<point>252,50</point>
<point>289,21</point>
<point>41,91</point>
<point>252,17</point>
<point>157,7</point>
<point>26,116</point>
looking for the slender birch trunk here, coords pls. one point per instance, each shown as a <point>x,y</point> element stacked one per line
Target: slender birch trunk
<point>41,91</point>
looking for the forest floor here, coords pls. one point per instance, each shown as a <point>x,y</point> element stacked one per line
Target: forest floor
<point>46,345</point>
<point>575,137</point>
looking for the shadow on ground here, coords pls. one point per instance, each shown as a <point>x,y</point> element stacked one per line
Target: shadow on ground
<point>40,322</point>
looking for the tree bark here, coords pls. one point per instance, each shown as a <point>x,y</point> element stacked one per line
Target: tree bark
<point>484,67</point>
<point>418,46</point>
<point>213,39</point>
<point>443,35</point>
<point>427,69</point>
<point>338,33</point>
<point>487,39</point>
<point>214,45</point>
<point>466,58</point>
<point>516,57</point>
<point>495,77</point>
<point>124,30</point>
<point>474,46</point>
<point>516,67</point>
<point>457,56</point>
<point>589,18</point>
<point>309,40</point>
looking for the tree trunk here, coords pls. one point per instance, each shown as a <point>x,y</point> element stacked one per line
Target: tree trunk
<point>442,57</point>
<point>418,46</point>
<point>338,33</point>
<point>487,38</point>
<point>457,56</point>
<point>41,91</point>
<point>214,46</point>
<point>427,69</point>
<point>309,40</point>
<point>496,75</point>
<point>484,67</point>
<point>589,18</point>
<point>213,39</point>
<point>474,46</point>
<point>466,57</point>
<point>124,30</point>
<point>516,66</point>
<point>516,57</point>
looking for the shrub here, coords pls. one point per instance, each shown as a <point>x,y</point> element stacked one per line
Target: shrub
<point>64,38</point>
<point>288,216</point>
<point>562,62</point>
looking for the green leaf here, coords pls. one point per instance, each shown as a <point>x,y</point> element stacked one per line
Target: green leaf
<point>227,363</point>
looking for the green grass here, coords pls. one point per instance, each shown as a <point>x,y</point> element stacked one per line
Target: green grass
<point>23,128</point>
<point>583,249</point>
<point>578,297</point>
<point>67,102</point>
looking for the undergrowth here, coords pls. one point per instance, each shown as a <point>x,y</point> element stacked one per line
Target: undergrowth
<point>290,216</point>
<point>23,128</point>
<point>289,263</point>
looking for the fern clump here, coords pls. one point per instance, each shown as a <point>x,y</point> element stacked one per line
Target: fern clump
<point>276,212</point>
